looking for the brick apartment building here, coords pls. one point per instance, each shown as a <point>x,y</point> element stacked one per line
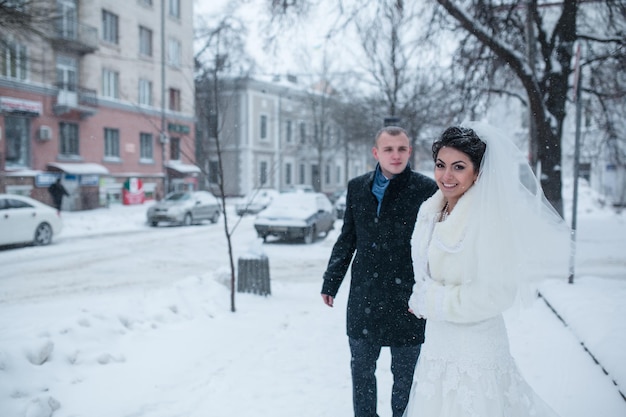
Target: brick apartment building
<point>100,96</point>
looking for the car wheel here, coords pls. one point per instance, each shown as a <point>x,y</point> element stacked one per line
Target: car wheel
<point>309,235</point>
<point>187,220</point>
<point>154,223</point>
<point>43,235</point>
<point>215,217</point>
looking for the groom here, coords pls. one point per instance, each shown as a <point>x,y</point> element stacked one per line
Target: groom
<point>381,209</point>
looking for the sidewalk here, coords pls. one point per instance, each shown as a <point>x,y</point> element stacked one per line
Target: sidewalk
<point>592,308</point>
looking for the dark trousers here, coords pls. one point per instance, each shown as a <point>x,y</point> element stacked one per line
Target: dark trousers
<point>363,365</point>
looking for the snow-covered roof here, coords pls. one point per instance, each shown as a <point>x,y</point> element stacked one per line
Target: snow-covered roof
<point>80,168</point>
<point>182,168</point>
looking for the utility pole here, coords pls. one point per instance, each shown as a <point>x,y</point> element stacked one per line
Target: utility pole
<point>163,135</point>
<point>578,76</point>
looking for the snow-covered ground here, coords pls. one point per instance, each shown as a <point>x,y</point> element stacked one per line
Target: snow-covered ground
<point>175,348</point>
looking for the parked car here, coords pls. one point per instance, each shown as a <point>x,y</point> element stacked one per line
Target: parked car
<point>298,188</point>
<point>24,220</point>
<point>185,208</point>
<point>256,201</point>
<point>296,215</point>
<point>340,205</point>
<point>334,196</point>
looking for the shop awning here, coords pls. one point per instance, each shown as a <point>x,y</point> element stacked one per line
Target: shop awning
<point>183,168</point>
<point>86,168</point>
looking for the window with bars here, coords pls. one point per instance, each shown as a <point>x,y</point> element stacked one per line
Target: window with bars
<point>68,139</point>
<point>111,143</point>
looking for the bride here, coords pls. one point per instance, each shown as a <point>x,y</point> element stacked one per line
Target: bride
<point>484,237</point>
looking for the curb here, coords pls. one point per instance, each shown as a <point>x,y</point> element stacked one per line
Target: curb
<point>556,313</point>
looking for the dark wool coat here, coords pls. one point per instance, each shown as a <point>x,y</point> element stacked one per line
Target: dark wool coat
<point>382,270</point>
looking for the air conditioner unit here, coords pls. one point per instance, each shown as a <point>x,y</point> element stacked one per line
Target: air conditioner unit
<point>45,133</point>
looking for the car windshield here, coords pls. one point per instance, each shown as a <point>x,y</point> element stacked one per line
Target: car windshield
<point>178,197</point>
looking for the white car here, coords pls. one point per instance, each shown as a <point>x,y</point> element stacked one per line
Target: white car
<point>185,208</point>
<point>24,220</point>
<point>296,215</point>
<point>255,201</point>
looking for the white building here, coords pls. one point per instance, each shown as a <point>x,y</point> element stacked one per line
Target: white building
<point>277,134</point>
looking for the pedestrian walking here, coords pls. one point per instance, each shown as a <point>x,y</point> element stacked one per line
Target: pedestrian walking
<point>57,191</point>
<point>380,214</point>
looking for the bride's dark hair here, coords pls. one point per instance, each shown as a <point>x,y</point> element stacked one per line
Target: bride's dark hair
<point>463,139</point>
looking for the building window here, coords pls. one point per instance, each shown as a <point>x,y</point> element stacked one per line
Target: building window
<point>68,138</point>
<point>263,126</point>
<point>174,53</point>
<point>338,175</point>
<point>327,174</point>
<point>110,31</point>
<point>16,131</point>
<point>175,149</point>
<point>302,174</point>
<point>67,73</point>
<point>111,143</point>
<point>145,41</point>
<point>146,146</point>
<point>13,60</point>
<point>213,125</point>
<point>214,172</point>
<point>175,8</point>
<point>110,83</point>
<point>302,133</point>
<point>146,2</point>
<point>263,172</point>
<point>145,92</point>
<point>174,99</point>
<point>66,19</point>
<point>287,174</point>
<point>288,133</point>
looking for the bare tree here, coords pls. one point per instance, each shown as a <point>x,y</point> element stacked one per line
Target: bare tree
<point>489,61</point>
<point>547,33</point>
<point>222,53</point>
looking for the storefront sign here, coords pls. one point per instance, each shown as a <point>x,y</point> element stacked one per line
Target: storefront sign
<point>173,127</point>
<point>90,180</point>
<point>16,105</point>
<point>45,179</point>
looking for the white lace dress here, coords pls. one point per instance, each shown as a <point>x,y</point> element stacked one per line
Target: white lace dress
<point>465,368</point>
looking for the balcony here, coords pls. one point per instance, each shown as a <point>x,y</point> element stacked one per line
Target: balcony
<point>72,98</point>
<point>71,36</point>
